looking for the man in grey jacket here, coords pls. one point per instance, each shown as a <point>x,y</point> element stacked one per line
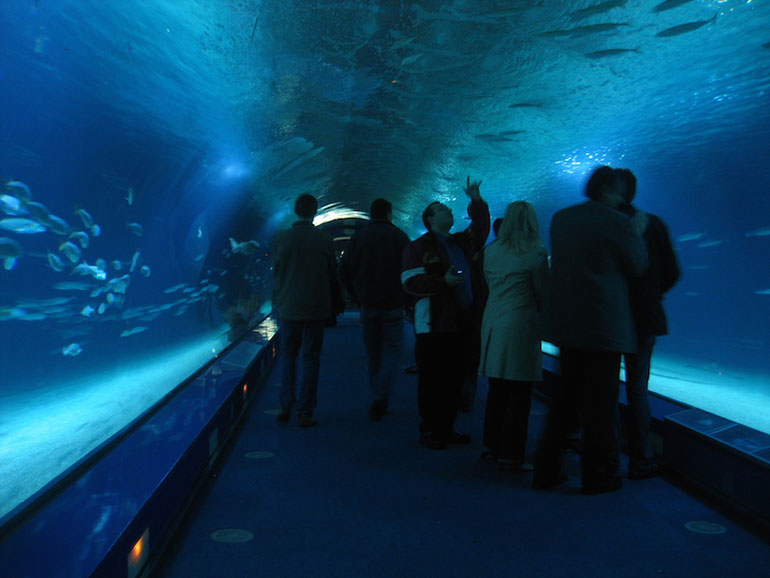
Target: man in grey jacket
<point>304,270</point>
<point>595,250</point>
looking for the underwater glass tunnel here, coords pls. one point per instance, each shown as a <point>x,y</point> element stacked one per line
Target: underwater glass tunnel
<point>149,151</point>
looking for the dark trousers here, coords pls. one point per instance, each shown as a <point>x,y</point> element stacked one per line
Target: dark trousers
<point>507,418</point>
<point>300,342</point>
<point>442,359</point>
<point>637,376</point>
<point>590,384</point>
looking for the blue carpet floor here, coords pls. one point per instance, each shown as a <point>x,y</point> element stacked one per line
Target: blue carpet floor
<point>351,497</point>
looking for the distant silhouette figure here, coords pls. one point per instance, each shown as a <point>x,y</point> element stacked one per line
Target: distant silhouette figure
<point>516,271</point>
<point>304,292</point>
<point>650,319</point>
<point>436,272</point>
<point>371,272</point>
<point>595,249</point>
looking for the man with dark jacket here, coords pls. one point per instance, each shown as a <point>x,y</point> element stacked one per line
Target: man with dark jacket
<point>371,271</point>
<point>650,319</point>
<point>436,271</point>
<point>305,284</point>
<point>595,250</point>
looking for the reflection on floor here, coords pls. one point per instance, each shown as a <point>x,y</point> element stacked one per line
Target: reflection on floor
<point>45,433</point>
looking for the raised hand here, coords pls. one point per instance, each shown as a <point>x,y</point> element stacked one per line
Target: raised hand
<point>472,189</point>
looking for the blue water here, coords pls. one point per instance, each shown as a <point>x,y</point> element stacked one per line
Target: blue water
<point>178,125</point>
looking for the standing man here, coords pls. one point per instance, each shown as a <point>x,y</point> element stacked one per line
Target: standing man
<point>595,249</point>
<point>436,271</point>
<point>647,306</point>
<point>371,272</point>
<point>304,289</point>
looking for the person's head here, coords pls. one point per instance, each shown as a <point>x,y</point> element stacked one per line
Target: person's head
<point>306,206</point>
<point>628,180</point>
<point>605,186</point>
<point>520,230</point>
<point>438,217</point>
<point>496,226</point>
<point>381,209</point>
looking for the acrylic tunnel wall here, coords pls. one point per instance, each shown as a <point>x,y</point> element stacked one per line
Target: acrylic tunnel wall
<point>149,150</point>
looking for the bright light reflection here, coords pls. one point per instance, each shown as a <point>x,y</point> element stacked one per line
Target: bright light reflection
<point>336,211</point>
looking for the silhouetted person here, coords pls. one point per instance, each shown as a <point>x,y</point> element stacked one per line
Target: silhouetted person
<point>435,272</point>
<point>595,249</point>
<point>647,306</point>
<point>304,288</point>
<point>516,271</point>
<point>371,272</point>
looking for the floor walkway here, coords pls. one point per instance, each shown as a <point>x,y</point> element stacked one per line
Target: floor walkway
<point>350,497</point>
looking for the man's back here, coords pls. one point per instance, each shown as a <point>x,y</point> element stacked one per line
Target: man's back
<point>371,266</point>
<point>303,268</point>
<point>593,252</point>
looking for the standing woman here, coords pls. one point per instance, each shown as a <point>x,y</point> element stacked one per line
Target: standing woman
<point>516,270</point>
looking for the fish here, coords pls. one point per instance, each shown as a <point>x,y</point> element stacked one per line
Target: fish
<point>73,286</point>
<point>685,28</point>
<point>118,284</point>
<point>84,269</point>
<point>135,228</point>
<point>145,271</point>
<point>59,225</point>
<point>85,217</point>
<point>10,251</point>
<point>96,230</point>
<point>690,237</point>
<point>493,138</point>
<point>411,59</point>
<point>11,205</point>
<point>525,105</point>
<point>134,261</point>
<point>81,238</point>
<point>133,331</point>
<point>38,211</point>
<point>669,4</point>
<point>101,309</point>
<point>71,251</point>
<point>610,52</point>
<point>762,232</point>
<point>175,288</point>
<point>762,291</point>
<point>130,196</point>
<point>71,350</point>
<point>598,8</point>
<point>55,262</point>
<point>244,248</point>
<point>87,311</point>
<point>710,243</point>
<point>511,132</point>
<point>19,190</point>
<point>403,42</point>
<point>22,226</point>
<point>116,265</point>
<point>7,313</point>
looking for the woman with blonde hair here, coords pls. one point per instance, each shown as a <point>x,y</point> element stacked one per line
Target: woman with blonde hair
<point>516,271</point>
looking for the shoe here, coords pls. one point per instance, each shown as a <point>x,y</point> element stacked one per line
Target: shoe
<point>378,409</point>
<point>430,441</point>
<point>488,455</point>
<point>643,473</point>
<point>508,466</point>
<point>306,421</point>
<point>458,438</point>
<point>544,482</point>
<point>283,417</point>
<point>603,487</point>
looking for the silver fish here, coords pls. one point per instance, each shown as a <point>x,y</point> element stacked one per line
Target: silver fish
<point>87,219</point>
<point>10,251</point>
<point>19,190</point>
<point>244,248</point>
<point>96,230</point>
<point>145,271</point>
<point>38,211</point>
<point>87,311</point>
<point>135,228</point>
<point>763,232</point>
<point>134,261</point>
<point>133,331</point>
<point>669,4</point>
<point>59,225</point>
<point>55,262</point>
<point>70,250</point>
<point>11,205</point>
<point>22,226</point>
<point>598,8</point>
<point>71,350</point>
<point>81,238</point>
<point>84,269</point>
<point>685,28</point>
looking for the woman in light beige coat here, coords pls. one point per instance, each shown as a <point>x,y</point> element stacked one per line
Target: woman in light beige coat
<point>516,271</point>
